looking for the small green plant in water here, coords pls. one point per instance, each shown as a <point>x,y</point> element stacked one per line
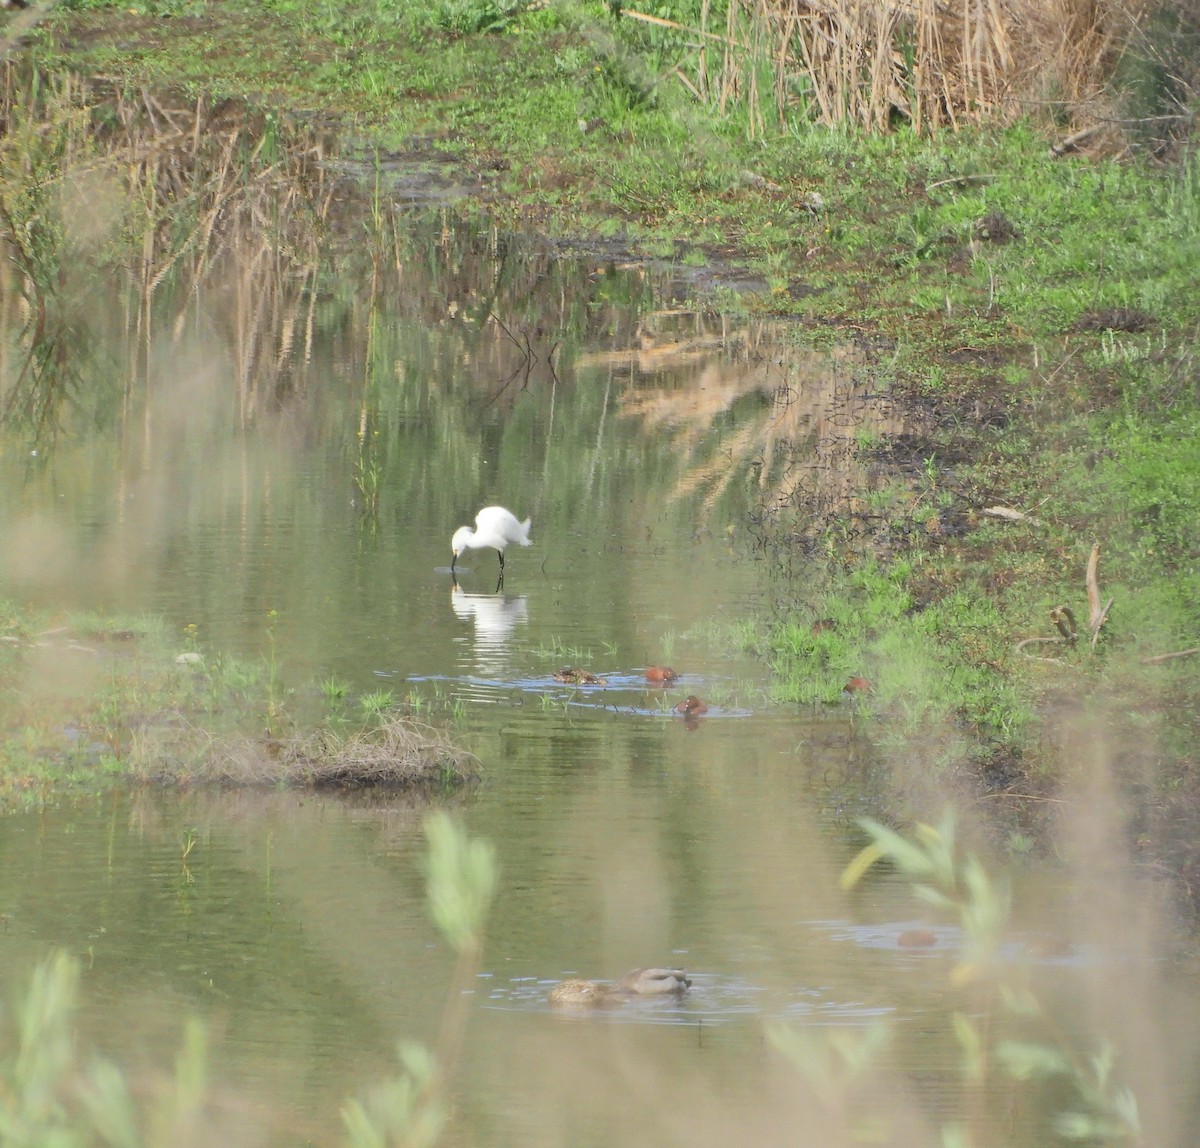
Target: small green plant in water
<point>274,689</point>
<point>559,650</point>
<point>367,475</point>
<point>334,689</point>
<point>376,703</point>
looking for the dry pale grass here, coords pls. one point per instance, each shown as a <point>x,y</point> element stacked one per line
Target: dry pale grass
<point>400,753</point>
<point>933,64</point>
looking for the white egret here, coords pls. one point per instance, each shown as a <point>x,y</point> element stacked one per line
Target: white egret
<point>494,527</point>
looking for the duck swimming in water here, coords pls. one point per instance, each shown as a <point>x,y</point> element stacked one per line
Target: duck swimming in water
<point>636,983</point>
<point>579,677</point>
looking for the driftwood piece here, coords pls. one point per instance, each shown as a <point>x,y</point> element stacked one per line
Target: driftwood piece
<point>1064,621</point>
<point>1010,515</point>
<point>1168,657</point>
<point>1063,617</point>
<point>1073,141</point>
<point>1020,649</point>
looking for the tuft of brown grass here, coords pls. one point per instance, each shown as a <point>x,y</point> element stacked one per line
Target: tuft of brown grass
<point>933,64</point>
<point>399,754</point>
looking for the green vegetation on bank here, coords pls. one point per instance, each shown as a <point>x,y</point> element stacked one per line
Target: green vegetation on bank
<point>1037,307</point>
<point>92,700</point>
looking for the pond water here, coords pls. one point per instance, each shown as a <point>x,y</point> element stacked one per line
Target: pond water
<point>287,483</point>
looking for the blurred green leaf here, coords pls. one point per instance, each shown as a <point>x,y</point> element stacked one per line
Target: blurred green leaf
<point>969,1040</point>
<point>462,876</point>
<point>1023,1060</point>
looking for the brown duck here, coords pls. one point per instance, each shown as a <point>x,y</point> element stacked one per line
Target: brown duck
<point>637,983</point>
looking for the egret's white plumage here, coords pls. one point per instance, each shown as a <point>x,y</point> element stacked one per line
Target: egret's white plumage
<point>495,527</point>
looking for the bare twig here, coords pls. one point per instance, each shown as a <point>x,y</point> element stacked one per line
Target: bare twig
<point>1167,657</point>
<point>1093,586</point>
<point>1023,797</point>
<point>660,22</point>
<point>1020,649</point>
<point>1096,612</point>
<point>983,177</point>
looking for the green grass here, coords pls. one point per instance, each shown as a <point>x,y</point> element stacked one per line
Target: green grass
<point>926,665</point>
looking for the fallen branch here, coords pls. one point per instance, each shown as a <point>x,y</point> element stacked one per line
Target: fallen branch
<point>1167,657</point>
<point>1010,515</point>
<point>1020,649</point>
<point>1073,141</point>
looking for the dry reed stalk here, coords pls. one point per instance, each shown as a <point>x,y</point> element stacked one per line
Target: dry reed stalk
<point>934,64</point>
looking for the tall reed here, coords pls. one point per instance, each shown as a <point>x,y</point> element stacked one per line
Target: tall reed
<point>873,63</point>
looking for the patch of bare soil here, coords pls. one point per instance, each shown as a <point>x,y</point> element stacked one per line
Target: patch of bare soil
<point>1127,319</point>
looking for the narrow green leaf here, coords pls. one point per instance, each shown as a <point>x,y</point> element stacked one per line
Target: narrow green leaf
<point>854,872</point>
<point>1023,1060</point>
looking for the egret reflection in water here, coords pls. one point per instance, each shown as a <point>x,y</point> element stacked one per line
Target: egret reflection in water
<point>495,617</point>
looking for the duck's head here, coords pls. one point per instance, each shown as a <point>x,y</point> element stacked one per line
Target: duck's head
<point>654,982</point>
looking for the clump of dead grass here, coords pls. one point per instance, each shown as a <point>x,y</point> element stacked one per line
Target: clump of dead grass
<point>399,753</point>
<point>871,63</point>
